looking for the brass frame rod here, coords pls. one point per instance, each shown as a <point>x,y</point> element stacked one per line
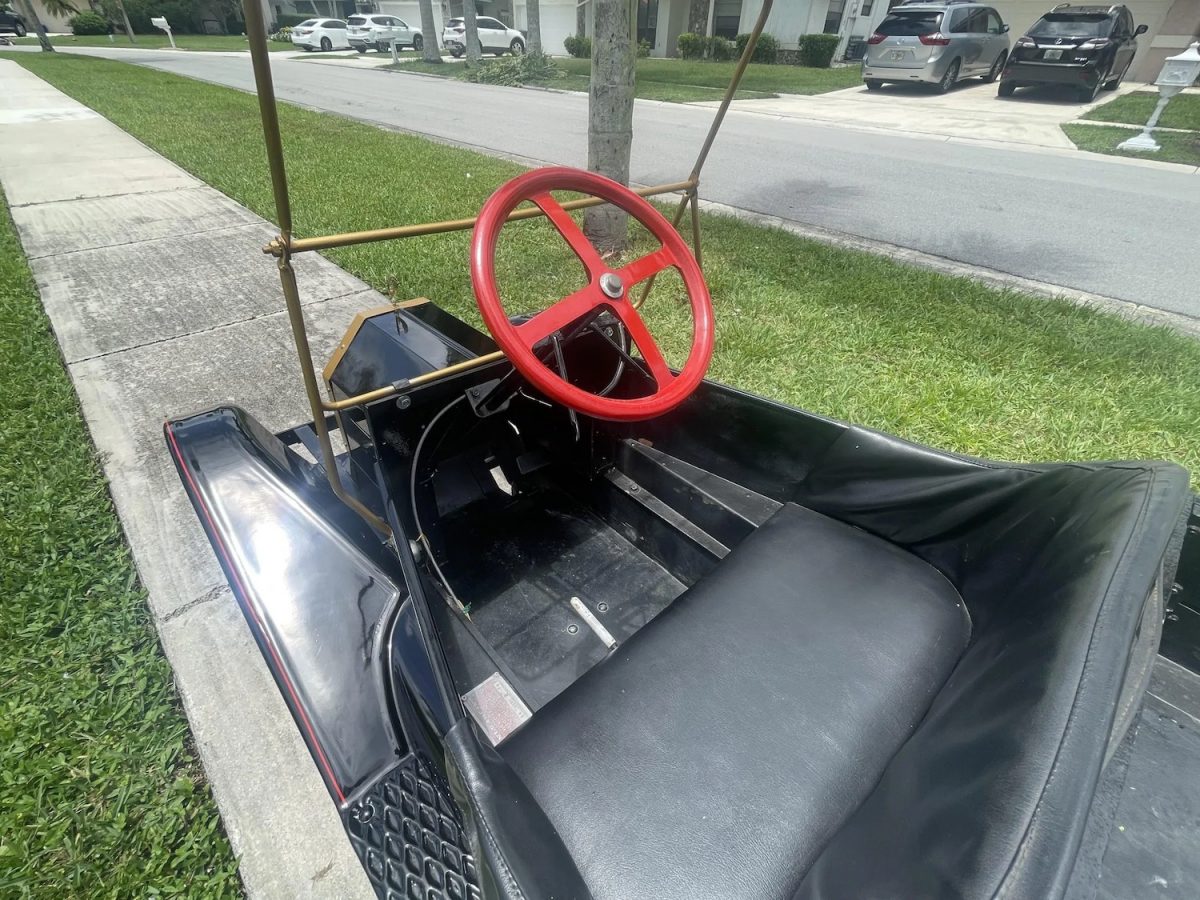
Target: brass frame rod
<point>325,242</point>
<point>256,31</point>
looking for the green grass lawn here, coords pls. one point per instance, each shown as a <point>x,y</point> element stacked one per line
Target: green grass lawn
<point>937,359</point>
<point>570,81</point>
<point>715,75</point>
<point>1134,109</point>
<point>1177,146</point>
<point>158,41</point>
<point>101,794</point>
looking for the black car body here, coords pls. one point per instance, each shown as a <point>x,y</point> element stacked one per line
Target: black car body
<point>11,23</point>
<point>1088,48</point>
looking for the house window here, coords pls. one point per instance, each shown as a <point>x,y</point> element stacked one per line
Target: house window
<point>833,18</point>
<point>727,17</point>
<point>647,22</point>
<point>866,7</point>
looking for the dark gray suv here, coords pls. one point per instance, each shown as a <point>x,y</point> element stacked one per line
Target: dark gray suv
<point>936,43</point>
<point>11,23</point>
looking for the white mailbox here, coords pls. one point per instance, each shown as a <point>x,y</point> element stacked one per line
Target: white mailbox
<point>161,23</point>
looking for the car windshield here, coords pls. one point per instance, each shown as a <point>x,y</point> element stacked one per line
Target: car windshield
<point>357,20</point>
<point>1056,25</point>
<point>910,24</point>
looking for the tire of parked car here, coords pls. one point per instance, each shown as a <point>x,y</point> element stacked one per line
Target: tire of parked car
<point>418,42</point>
<point>1113,83</point>
<point>20,29</point>
<point>873,84</point>
<point>517,47</point>
<point>949,79</point>
<point>1087,95</point>
<point>326,44</point>
<point>1007,89</point>
<point>382,47</point>
<point>362,48</point>
<point>996,69</point>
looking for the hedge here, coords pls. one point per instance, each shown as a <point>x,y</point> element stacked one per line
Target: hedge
<point>816,50</point>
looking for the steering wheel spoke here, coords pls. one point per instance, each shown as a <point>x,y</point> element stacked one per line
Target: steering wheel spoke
<point>560,315</point>
<point>571,233</point>
<point>647,346</point>
<point>642,268</point>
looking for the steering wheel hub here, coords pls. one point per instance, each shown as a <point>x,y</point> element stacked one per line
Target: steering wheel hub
<point>611,284</point>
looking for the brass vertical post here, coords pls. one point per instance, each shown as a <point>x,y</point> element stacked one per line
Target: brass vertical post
<point>256,31</point>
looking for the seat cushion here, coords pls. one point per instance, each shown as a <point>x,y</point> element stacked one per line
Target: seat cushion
<point>726,742</point>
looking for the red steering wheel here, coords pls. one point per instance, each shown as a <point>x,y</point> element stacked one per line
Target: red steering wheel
<point>607,288</point>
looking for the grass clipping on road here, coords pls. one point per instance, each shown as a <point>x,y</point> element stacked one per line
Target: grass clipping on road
<point>937,359</point>
<point>100,794</point>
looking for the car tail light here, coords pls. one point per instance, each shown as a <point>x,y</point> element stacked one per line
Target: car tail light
<point>937,39</point>
<point>1027,43</point>
<point>876,38</point>
<point>1094,44</point>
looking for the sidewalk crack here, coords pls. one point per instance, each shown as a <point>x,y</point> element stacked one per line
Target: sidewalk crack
<point>208,596</point>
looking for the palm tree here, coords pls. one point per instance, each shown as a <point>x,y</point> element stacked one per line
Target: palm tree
<point>429,47</point>
<point>30,16</point>
<point>533,23</point>
<point>125,19</point>
<point>474,51</point>
<point>61,9</point>
<point>610,114</point>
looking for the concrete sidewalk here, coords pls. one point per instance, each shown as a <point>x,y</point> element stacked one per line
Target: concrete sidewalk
<point>163,304</point>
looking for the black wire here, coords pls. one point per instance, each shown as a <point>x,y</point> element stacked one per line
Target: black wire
<point>412,492</point>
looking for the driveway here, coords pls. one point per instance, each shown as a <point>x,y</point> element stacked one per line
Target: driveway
<point>971,111</point>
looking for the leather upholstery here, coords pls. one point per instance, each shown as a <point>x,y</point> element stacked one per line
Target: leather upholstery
<point>752,742</point>
<point>721,748</point>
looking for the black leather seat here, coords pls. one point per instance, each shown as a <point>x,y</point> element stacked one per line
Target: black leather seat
<point>729,739</point>
<point>823,716</point>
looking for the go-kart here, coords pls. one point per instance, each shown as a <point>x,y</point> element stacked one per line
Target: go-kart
<point>562,621</point>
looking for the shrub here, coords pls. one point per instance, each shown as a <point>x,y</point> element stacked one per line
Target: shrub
<point>286,20</point>
<point>644,48</point>
<point>283,35</point>
<point>528,68</point>
<point>816,50</point>
<point>764,50</point>
<point>692,46</point>
<point>88,22</point>
<point>579,46</point>
<point>720,48</point>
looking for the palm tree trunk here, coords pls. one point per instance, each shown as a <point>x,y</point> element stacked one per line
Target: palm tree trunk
<point>474,51</point>
<point>125,19</point>
<point>610,114</point>
<point>533,23</point>
<point>430,52</point>
<point>30,16</point>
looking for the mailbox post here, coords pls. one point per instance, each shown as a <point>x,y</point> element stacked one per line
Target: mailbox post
<point>161,23</point>
<point>1178,72</point>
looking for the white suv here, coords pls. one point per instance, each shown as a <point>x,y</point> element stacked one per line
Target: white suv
<point>494,37</point>
<point>379,31</point>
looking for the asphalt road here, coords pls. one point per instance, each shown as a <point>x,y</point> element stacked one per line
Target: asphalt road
<point>1080,221</point>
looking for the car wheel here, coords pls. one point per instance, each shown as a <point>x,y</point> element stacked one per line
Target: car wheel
<point>20,29</point>
<point>1113,83</point>
<point>361,48</point>
<point>516,47</point>
<point>873,84</point>
<point>949,78</point>
<point>997,68</point>
<point>326,44</point>
<point>418,42</point>
<point>381,46</point>
<point>456,53</point>
<point>1007,88</point>
<point>1087,95</point>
